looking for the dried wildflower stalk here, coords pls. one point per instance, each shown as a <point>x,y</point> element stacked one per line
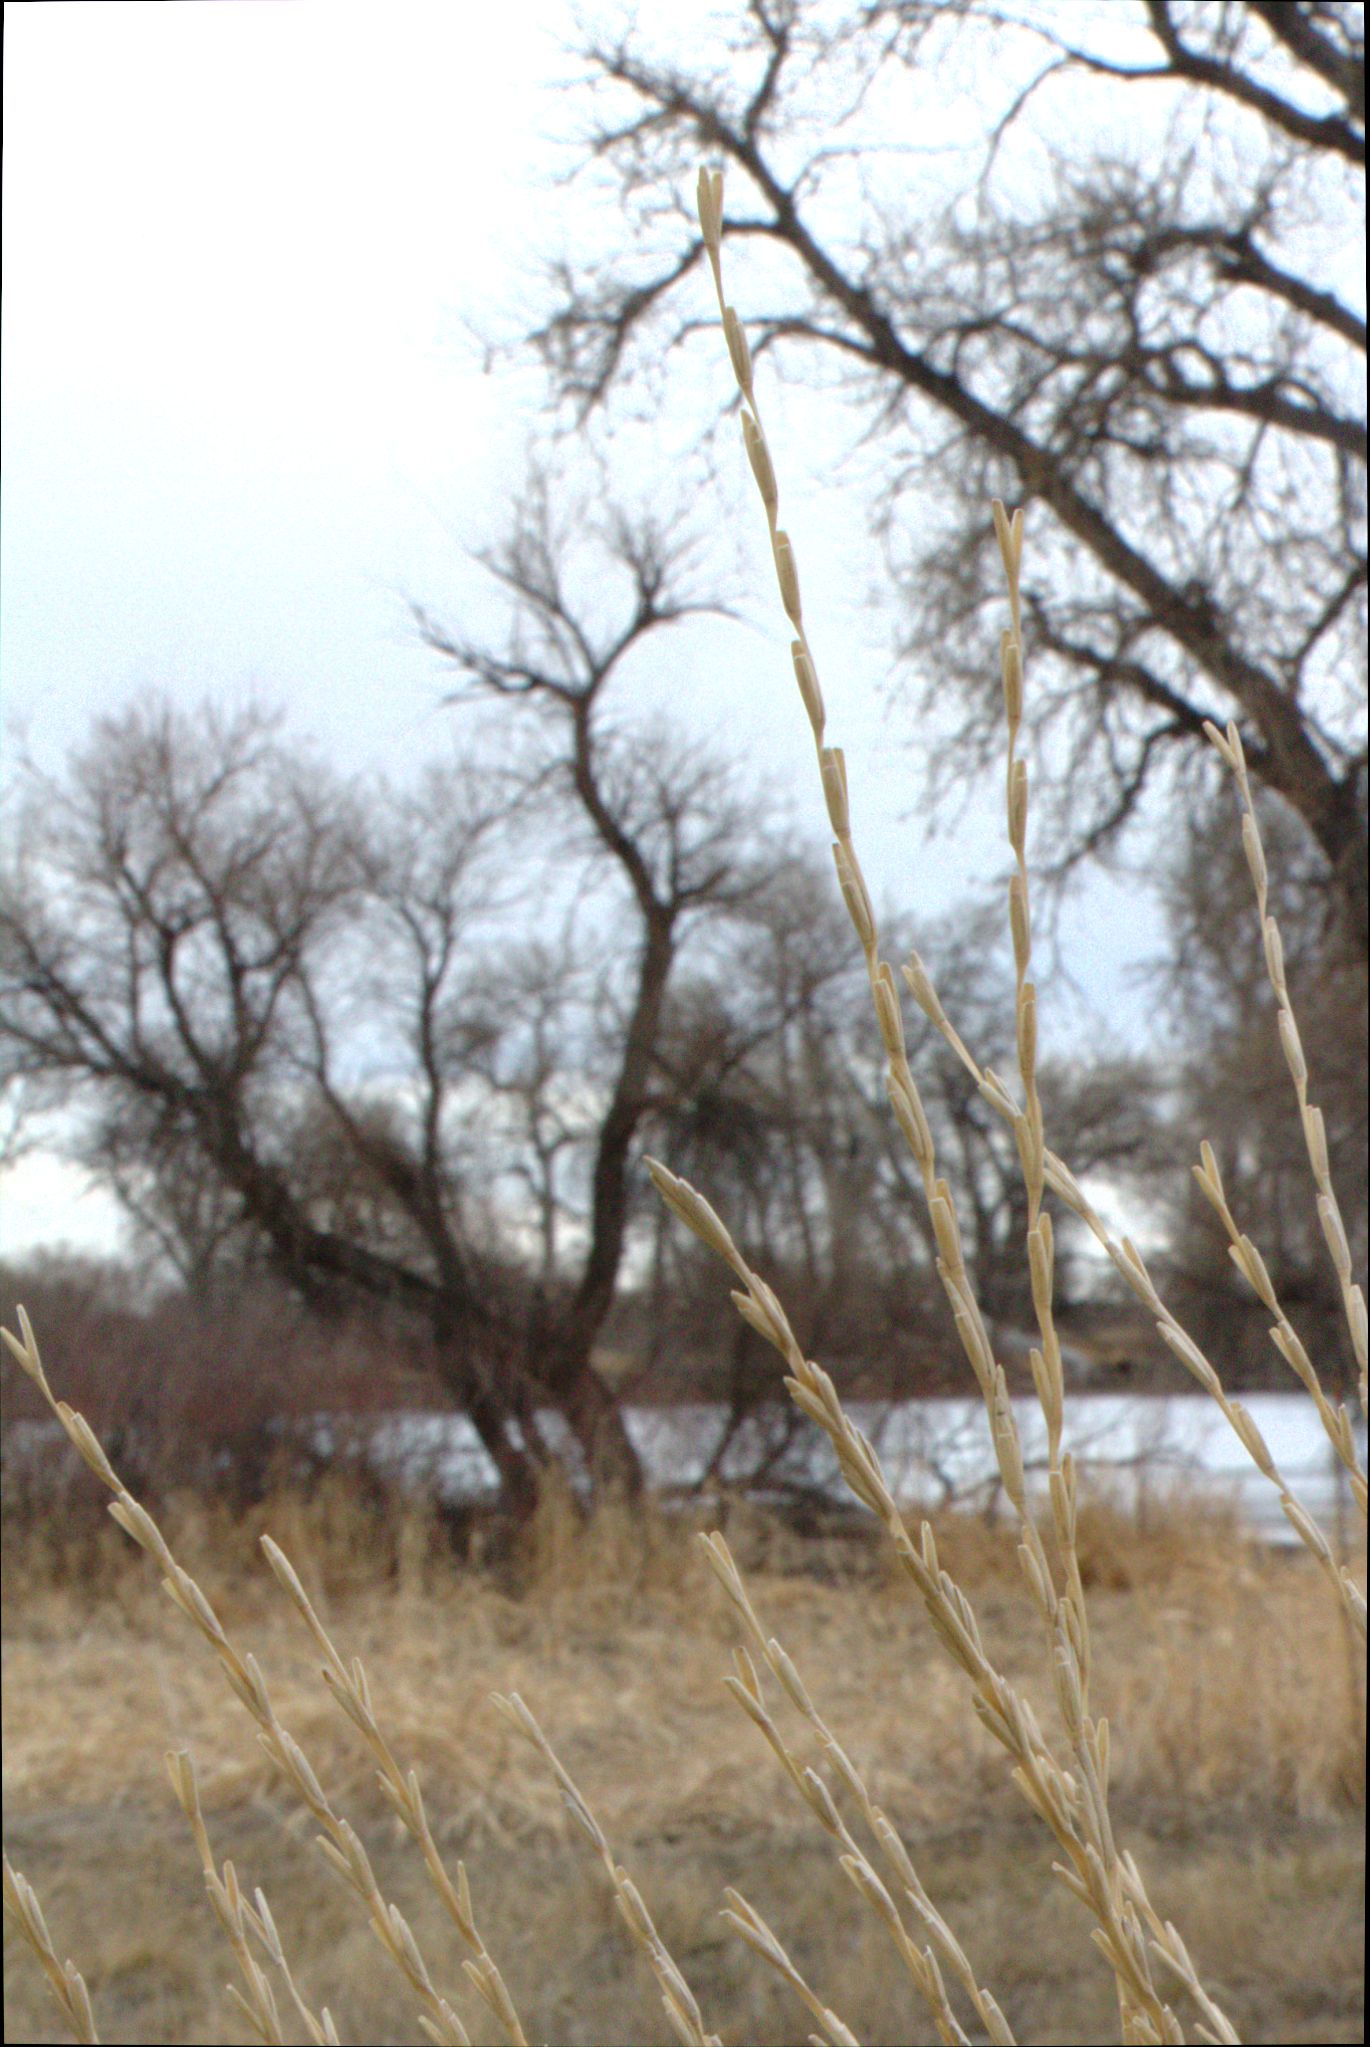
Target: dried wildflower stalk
<point>682,2008</point>
<point>64,1979</point>
<point>341,1846</point>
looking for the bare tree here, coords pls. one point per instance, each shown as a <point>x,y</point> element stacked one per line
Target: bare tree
<point>174,916</point>
<point>1142,320</point>
<point>756,1100</point>
<point>661,815</point>
<point>295,1021</point>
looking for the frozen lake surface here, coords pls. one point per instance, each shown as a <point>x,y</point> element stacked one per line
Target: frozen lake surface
<point>938,1451</point>
<point>1132,1447</point>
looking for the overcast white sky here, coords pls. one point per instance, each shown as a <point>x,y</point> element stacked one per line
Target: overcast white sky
<point>245,417</point>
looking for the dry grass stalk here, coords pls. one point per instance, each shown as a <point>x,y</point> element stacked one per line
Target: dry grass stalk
<point>681,2005</point>
<point>748,1924</point>
<point>921,1964</point>
<point>64,1979</point>
<point>339,1842</point>
<point>1129,1264</point>
<point>238,1918</point>
<point>1038,1161</point>
<point>1110,1883</point>
<point>1244,1254</point>
<point>1118,1901</point>
<point>1040,1165</point>
<point>352,1693</point>
<point>1106,1881</point>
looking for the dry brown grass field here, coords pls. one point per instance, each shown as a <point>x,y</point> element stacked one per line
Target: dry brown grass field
<point>1238,1780</point>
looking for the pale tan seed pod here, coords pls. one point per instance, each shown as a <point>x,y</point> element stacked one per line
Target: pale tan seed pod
<point>1255,857</point>
<point>1293,1050</point>
<point>854,894</point>
<point>759,455</point>
<point>192,1602</point>
<point>1190,1356</point>
<point>752,1311</point>
<point>795,1689</point>
<point>1049,1381</point>
<point>1250,1263</point>
<point>1018,922</point>
<point>1253,1441</point>
<point>65,1982</point>
<point>1001,1101</point>
<point>1027,1033</point>
<point>1037,1585</point>
<point>1018,808</point>
<point>1011,668</point>
<point>1008,1449</point>
<point>1066,1671</point>
<point>738,350</point>
<point>923,992</point>
<point>805,676</point>
<point>911,1118</point>
<point>1315,1135</point>
<point>1208,1175</point>
<point>1062,1491</point>
<point>769,1304</point>
<point>1220,741</point>
<point>137,1522</point>
<point>695,1212</point>
<point>1355,1311</point>
<point>1307,1528</point>
<point>945,1228</point>
<point>1274,954</point>
<point>85,1441</point>
<point>1031,1151</point>
<point>709,199</point>
<point>1041,1260</point>
<point>24,1350</point>
<point>787,574</point>
<point>820,1803</point>
<point>302,1776</point>
<point>887,1012</point>
<point>1344,1433</point>
<point>974,1341</point>
<point>1333,1231</point>
<point>1290,1348</point>
<point>1009,533</point>
<point>833,768</point>
<point>1134,1265</point>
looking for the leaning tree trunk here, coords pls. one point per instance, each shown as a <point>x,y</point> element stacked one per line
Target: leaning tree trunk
<point>591,1408</point>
